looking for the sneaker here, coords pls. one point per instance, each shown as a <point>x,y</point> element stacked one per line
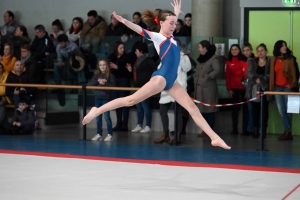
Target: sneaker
<point>108,138</point>
<point>136,129</point>
<point>97,137</point>
<point>146,129</point>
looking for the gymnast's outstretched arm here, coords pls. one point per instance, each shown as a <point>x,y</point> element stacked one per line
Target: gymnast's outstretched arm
<point>127,23</point>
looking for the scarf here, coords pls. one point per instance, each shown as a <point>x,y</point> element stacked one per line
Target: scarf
<point>288,70</point>
<point>141,59</point>
<point>205,57</point>
<point>23,60</point>
<point>8,62</point>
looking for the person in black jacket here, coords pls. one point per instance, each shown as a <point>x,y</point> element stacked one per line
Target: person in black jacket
<point>103,77</point>
<point>23,120</point>
<point>118,61</point>
<point>19,75</point>
<point>142,71</point>
<point>29,62</point>
<point>115,28</point>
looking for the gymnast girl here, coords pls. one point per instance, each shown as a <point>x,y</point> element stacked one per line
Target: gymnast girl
<point>163,79</point>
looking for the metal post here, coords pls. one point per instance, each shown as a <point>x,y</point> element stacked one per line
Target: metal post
<point>262,144</point>
<point>176,123</point>
<point>84,109</point>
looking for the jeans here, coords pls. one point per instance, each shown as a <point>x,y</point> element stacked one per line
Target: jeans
<point>250,117</point>
<point>144,107</point>
<point>98,103</point>
<point>210,118</point>
<point>124,111</point>
<point>281,101</point>
<point>163,111</point>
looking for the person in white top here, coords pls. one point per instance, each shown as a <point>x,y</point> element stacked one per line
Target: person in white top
<point>75,30</point>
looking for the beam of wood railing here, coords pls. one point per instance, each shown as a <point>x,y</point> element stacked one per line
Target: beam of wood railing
<point>279,93</point>
<point>68,86</point>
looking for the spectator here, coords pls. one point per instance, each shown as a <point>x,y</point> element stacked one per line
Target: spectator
<point>93,29</point>
<point>205,77</point>
<point>3,98</point>
<point>259,74</point>
<point>9,23</point>
<point>235,65</point>
<point>247,51</point>
<point>8,60</point>
<point>118,61</point>
<point>103,77</point>
<point>42,45</point>
<point>58,29</point>
<point>23,121</point>
<point>137,19</point>
<point>115,28</point>
<point>29,62</point>
<point>187,28</point>
<point>75,30</point>
<point>142,71</point>
<point>166,100</point>
<point>19,75</point>
<point>284,74</point>
<point>20,38</point>
<point>179,29</point>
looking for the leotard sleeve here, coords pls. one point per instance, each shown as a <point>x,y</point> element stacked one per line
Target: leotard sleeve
<point>157,38</point>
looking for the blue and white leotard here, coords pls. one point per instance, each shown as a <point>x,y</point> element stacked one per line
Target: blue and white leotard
<point>169,53</point>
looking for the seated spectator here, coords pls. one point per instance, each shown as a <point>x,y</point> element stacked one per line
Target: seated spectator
<point>142,71</point>
<point>137,19</point>
<point>187,28</point>
<point>20,38</point>
<point>8,60</point>
<point>93,29</point>
<point>42,44</point>
<point>19,75</point>
<point>58,29</point>
<point>23,121</point>
<point>178,30</point>
<point>75,30</point>
<point>29,62</point>
<point>115,28</point>
<point>3,99</point>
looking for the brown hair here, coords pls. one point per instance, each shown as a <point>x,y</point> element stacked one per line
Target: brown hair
<point>11,51</point>
<point>107,70</point>
<point>25,46</point>
<point>149,17</point>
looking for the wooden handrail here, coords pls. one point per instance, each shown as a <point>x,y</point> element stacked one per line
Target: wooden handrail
<point>68,86</point>
<point>280,93</point>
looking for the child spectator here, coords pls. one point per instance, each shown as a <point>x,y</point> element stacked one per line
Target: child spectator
<point>103,77</point>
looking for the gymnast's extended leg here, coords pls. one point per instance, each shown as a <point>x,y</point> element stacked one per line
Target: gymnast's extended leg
<point>154,86</point>
<point>181,96</point>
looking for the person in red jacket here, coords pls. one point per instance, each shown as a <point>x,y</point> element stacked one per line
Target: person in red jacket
<point>236,67</point>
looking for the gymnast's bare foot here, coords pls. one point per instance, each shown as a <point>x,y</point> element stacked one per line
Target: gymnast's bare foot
<point>90,116</point>
<point>217,141</point>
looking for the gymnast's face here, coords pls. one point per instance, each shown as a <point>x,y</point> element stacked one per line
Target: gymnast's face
<point>168,26</point>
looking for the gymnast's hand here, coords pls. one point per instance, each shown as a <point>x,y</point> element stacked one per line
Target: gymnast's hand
<point>177,7</point>
<point>119,18</point>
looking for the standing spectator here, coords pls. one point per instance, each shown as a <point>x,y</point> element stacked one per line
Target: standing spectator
<point>166,101</point>
<point>8,60</point>
<point>20,38</point>
<point>284,74</point>
<point>23,121</point>
<point>179,29</point>
<point>259,73</point>
<point>137,19</point>
<point>205,78</point>
<point>247,52</point>
<point>115,28</point>
<point>19,75</point>
<point>142,71</point>
<point>118,61</point>
<point>187,28</point>
<point>29,62</point>
<point>75,30</point>
<point>10,24</point>
<point>235,65</point>
<point>92,32</point>
<point>103,77</point>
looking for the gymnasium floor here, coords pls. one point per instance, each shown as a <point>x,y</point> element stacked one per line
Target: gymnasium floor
<point>55,164</point>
